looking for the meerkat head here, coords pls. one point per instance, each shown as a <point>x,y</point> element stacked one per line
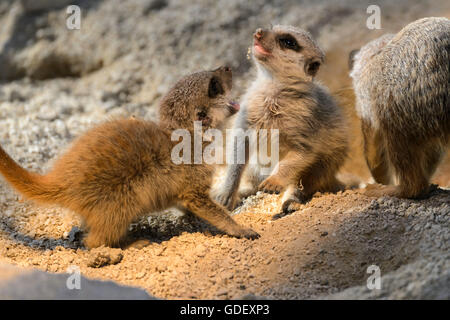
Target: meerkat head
<point>358,58</point>
<point>286,51</point>
<point>202,96</point>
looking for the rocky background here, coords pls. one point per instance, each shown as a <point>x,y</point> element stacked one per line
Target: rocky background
<point>56,82</point>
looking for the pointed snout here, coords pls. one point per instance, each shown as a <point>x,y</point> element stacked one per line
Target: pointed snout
<point>259,33</point>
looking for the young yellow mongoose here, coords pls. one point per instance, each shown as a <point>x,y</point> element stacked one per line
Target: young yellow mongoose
<point>122,169</point>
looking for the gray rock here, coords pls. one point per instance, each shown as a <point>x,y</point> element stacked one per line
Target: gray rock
<point>29,285</point>
<point>38,5</point>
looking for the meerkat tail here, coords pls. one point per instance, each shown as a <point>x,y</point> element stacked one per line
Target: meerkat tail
<point>31,185</point>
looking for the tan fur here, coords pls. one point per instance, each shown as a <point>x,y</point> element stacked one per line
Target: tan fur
<point>122,169</point>
<point>312,128</point>
<point>402,85</point>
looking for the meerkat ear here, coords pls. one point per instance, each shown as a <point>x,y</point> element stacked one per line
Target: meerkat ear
<point>215,87</point>
<point>312,68</point>
<point>351,58</point>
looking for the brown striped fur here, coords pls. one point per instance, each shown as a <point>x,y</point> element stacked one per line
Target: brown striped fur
<point>402,85</point>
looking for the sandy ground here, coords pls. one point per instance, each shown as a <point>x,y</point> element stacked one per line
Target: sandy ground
<point>321,249</point>
<point>56,84</point>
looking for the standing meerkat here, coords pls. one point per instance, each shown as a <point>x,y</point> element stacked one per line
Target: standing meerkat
<point>285,96</point>
<point>122,169</point>
<point>402,85</point>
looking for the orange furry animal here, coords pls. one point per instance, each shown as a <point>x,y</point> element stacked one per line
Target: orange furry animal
<point>122,169</point>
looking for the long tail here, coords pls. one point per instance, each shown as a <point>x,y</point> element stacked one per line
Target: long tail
<point>31,185</point>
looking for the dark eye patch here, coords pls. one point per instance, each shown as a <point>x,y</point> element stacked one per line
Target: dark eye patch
<point>202,115</point>
<point>351,58</point>
<point>312,68</point>
<point>288,42</point>
<point>215,88</point>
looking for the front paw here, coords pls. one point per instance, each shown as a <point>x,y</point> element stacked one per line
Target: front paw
<point>379,190</point>
<point>225,198</point>
<point>289,206</point>
<point>271,185</point>
<point>248,234</point>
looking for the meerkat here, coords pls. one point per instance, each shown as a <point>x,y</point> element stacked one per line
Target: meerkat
<point>311,127</point>
<point>122,169</point>
<point>402,85</point>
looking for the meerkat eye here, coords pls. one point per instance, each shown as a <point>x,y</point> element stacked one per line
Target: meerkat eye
<point>215,88</point>
<point>289,42</point>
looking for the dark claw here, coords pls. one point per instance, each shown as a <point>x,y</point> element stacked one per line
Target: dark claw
<point>250,234</point>
<point>270,191</point>
<point>253,236</point>
<point>287,208</point>
<point>279,215</point>
<point>224,200</point>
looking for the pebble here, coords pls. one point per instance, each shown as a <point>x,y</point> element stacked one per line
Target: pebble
<point>222,292</point>
<point>100,257</point>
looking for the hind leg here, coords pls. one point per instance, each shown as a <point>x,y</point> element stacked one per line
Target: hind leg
<point>320,177</point>
<point>251,179</point>
<point>107,229</point>
<point>434,154</point>
<point>292,199</point>
<point>286,172</point>
<point>414,179</point>
<point>414,165</point>
<point>375,154</point>
<point>247,187</point>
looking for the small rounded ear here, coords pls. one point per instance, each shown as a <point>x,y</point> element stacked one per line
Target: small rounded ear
<point>351,58</point>
<point>215,87</point>
<point>312,68</point>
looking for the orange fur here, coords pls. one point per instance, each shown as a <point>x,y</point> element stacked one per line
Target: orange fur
<point>122,169</point>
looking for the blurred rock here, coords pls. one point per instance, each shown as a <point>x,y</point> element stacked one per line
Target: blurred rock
<point>37,5</point>
<point>423,279</point>
<point>17,283</point>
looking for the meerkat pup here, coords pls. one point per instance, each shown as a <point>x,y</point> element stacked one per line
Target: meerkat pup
<point>122,169</point>
<point>311,127</point>
<point>402,85</point>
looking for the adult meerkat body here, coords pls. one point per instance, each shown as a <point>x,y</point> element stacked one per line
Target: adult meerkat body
<point>122,169</point>
<point>402,85</point>
<point>311,127</point>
